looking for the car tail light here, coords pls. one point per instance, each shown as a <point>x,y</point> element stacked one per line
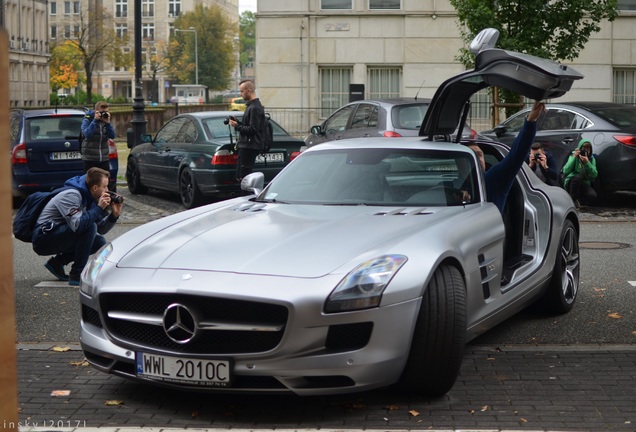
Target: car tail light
<point>19,154</point>
<point>112,149</point>
<point>628,140</point>
<point>473,134</point>
<point>391,134</point>
<point>224,157</point>
<point>294,155</point>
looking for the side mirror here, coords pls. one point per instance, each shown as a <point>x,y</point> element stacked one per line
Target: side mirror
<point>316,130</point>
<point>253,182</point>
<point>500,130</point>
<point>146,138</point>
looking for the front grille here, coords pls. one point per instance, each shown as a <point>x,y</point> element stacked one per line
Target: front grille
<point>90,316</point>
<point>208,309</point>
<point>348,337</point>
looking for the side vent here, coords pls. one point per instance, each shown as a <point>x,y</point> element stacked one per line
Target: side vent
<point>402,212</point>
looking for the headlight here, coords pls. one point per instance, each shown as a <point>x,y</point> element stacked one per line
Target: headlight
<point>93,268</point>
<point>362,288</point>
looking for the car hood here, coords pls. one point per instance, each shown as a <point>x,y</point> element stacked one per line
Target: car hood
<point>533,77</point>
<point>276,239</point>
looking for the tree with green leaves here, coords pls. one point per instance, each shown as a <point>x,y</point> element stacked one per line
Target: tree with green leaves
<point>96,42</point>
<point>247,37</point>
<point>553,29</point>
<point>215,36</point>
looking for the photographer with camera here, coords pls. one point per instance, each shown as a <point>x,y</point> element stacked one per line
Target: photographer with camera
<point>251,129</point>
<point>543,165</point>
<point>580,173</point>
<point>71,225</point>
<point>97,130</point>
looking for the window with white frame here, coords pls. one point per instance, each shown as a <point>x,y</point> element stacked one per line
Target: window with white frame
<point>625,86</point>
<point>626,5</point>
<point>53,8</point>
<point>53,32</point>
<point>383,82</point>
<point>385,4</point>
<point>336,4</point>
<point>174,8</point>
<point>148,31</point>
<point>76,31</point>
<point>67,8</point>
<point>121,8</point>
<point>67,31</point>
<point>121,30</point>
<point>147,8</point>
<point>76,8</point>
<point>334,88</point>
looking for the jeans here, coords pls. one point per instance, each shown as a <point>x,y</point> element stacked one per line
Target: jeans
<point>580,190</point>
<point>68,245</point>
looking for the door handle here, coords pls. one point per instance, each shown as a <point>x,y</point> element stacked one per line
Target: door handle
<point>567,140</point>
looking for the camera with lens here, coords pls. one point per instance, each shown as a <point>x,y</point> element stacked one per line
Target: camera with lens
<point>104,114</point>
<point>583,153</point>
<point>227,119</point>
<point>537,156</point>
<point>117,199</point>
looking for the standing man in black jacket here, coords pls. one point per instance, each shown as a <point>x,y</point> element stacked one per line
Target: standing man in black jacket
<point>250,140</point>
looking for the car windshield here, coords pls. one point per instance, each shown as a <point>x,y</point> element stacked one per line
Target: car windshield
<point>383,177</point>
<point>53,127</point>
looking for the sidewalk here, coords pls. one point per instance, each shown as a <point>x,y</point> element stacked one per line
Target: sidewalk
<point>529,388</point>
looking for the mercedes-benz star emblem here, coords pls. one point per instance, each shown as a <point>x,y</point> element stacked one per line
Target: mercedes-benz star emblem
<point>179,323</point>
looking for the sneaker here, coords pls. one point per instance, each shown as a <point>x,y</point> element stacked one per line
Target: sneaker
<point>74,279</point>
<point>56,269</point>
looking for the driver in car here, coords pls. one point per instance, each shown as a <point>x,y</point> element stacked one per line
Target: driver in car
<point>499,178</point>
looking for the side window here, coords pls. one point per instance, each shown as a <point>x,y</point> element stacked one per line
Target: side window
<point>187,133</point>
<point>338,121</point>
<point>514,124</point>
<point>169,132</point>
<point>557,119</point>
<point>580,122</point>
<point>363,116</point>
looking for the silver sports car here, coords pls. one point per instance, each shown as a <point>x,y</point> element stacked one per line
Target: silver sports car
<point>365,263</point>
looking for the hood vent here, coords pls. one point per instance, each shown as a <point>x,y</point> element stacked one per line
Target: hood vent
<point>251,207</point>
<point>403,212</point>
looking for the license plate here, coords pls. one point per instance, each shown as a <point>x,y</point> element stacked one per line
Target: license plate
<point>65,155</point>
<point>181,370</point>
<point>270,157</point>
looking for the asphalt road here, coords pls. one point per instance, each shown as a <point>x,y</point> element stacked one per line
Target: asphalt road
<point>605,313</point>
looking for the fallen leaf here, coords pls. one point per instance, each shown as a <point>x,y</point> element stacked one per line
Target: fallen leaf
<point>599,289</point>
<point>113,402</point>
<point>615,315</point>
<point>491,358</point>
<point>391,407</point>
<point>60,349</point>
<point>58,393</point>
<point>522,420</point>
<point>484,408</point>
<point>80,363</point>
<point>634,332</point>
<point>414,413</point>
<point>472,411</point>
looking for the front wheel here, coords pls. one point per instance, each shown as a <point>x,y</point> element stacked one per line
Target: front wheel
<point>188,190</point>
<point>564,285</point>
<point>437,348</point>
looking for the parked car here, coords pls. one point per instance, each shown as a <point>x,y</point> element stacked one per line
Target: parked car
<point>193,155</point>
<point>369,118</point>
<point>45,150</point>
<point>237,104</point>
<point>610,127</point>
<point>359,266</point>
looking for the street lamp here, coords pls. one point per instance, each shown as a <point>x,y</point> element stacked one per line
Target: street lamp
<point>196,53</point>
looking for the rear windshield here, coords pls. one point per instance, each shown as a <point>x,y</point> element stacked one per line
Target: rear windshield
<point>408,116</point>
<point>624,116</point>
<point>54,127</point>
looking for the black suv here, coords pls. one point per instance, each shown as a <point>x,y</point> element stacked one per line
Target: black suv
<point>45,149</point>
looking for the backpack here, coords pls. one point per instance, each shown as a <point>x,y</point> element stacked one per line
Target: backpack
<point>81,137</point>
<point>268,134</point>
<point>27,215</point>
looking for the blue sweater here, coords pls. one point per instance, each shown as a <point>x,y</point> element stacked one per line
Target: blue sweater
<point>499,178</point>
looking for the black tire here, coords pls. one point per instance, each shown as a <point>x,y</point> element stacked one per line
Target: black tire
<point>133,178</point>
<point>439,339</point>
<point>564,285</point>
<point>188,190</point>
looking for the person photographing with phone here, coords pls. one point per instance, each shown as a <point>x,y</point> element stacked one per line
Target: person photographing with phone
<point>580,173</point>
<point>97,130</point>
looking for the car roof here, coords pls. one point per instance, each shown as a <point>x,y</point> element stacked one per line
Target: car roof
<point>393,101</point>
<point>49,111</point>
<point>533,77</point>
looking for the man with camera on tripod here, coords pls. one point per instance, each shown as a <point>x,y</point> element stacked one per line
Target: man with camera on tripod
<point>97,130</point>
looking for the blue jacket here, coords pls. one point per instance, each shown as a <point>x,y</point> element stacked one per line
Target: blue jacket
<point>499,177</point>
<point>96,134</point>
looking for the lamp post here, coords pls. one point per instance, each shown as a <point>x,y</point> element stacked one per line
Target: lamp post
<point>138,121</point>
<point>196,53</point>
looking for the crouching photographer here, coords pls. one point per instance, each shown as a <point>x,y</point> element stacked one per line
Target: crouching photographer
<point>580,174</point>
<point>71,225</point>
<point>97,130</point>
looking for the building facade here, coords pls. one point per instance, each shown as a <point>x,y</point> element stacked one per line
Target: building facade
<point>26,22</point>
<point>308,52</point>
